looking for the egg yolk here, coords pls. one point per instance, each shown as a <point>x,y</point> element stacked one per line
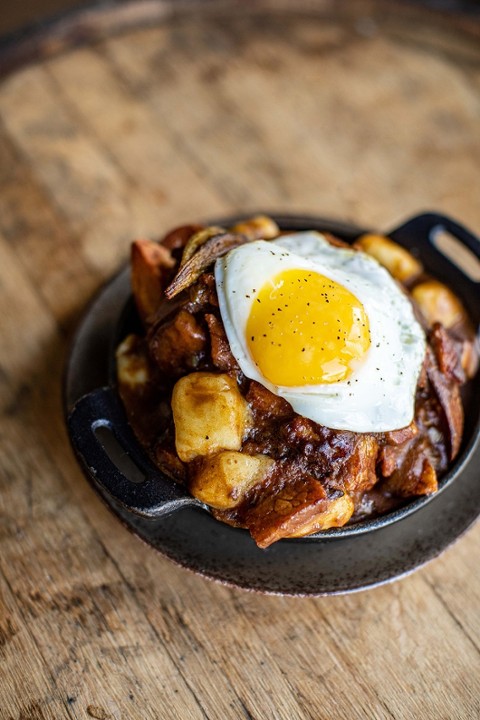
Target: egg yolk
<point>306,329</point>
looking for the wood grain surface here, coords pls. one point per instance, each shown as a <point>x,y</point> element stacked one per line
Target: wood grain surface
<point>368,113</point>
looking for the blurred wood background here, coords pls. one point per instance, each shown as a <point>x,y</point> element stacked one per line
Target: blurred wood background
<point>367,112</point>
<point>15,16</point>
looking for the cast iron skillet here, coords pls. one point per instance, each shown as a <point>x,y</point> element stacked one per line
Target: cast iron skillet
<point>182,528</point>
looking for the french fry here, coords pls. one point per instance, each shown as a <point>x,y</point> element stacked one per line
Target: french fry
<point>150,265</point>
<point>260,227</point>
<point>338,512</point>
<point>132,363</point>
<point>438,303</point>
<point>209,413</point>
<point>223,479</point>
<point>399,262</point>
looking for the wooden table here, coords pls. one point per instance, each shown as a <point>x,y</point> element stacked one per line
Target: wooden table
<point>368,113</point>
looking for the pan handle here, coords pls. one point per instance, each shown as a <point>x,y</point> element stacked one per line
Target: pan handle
<point>419,234</point>
<point>113,458</point>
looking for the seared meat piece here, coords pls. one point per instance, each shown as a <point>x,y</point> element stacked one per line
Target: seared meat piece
<point>265,405</point>
<point>177,345</point>
<point>292,508</point>
<point>202,297</point>
<point>409,468</point>
<point>221,354</point>
<point>358,474</point>
<point>448,394</point>
<point>177,238</point>
<point>398,437</point>
<point>448,353</point>
<point>166,458</point>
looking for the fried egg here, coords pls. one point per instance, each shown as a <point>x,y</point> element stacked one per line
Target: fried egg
<point>325,327</point>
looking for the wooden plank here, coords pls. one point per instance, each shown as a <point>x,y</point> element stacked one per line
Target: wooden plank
<point>219,647</point>
<point>37,232</point>
<point>325,132</point>
<point>27,328</point>
<point>27,687</point>
<point>83,182</point>
<point>226,147</point>
<point>364,169</point>
<point>87,625</point>
<point>143,147</point>
<point>455,581</point>
<point>403,632</point>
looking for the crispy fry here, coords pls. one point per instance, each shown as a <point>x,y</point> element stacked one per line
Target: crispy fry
<point>209,413</point>
<point>398,437</point>
<point>438,303</point>
<point>338,512</point>
<point>470,357</point>
<point>222,480</point>
<point>259,227</point>
<point>151,265</point>
<point>133,369</point>
<point>398,261</point>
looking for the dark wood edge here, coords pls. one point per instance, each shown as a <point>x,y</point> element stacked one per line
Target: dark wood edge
<point>81,26</point>
<point>94,22</point>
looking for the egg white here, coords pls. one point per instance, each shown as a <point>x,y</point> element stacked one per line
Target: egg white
<point>379,394</point>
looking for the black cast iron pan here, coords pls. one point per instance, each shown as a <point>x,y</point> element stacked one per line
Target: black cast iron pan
<point>182,528</point>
